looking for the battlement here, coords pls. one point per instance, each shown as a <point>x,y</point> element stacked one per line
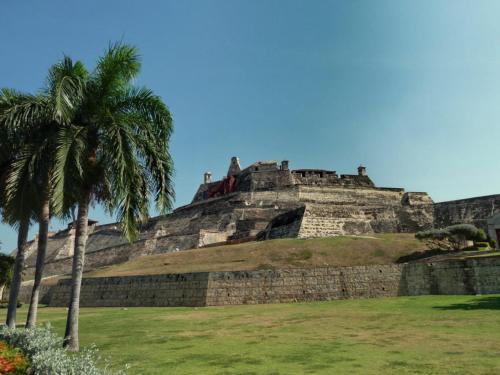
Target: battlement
<point>267,175</point>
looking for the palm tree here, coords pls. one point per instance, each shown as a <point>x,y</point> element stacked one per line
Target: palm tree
<point>115,153</point>
<point>13,133</point>
<point>6,264</point>
<point>40,117</point>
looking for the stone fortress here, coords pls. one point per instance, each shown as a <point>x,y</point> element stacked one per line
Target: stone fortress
<point>267,201</point>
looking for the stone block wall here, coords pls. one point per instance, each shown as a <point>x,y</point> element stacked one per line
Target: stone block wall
<point>473,276</point>
<point>477,276</point>
<point>155,290</point>
<point>298,285</point>
<point>96,258</point>
<point>466,211</point>
<point>26,289</point>
<point>333,211</point>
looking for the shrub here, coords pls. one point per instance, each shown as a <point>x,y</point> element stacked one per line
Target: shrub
<point>452,237</point>
<point>493,244</point>
<point>482,245</point>
<point>434,238</point>
<point>45,352</point>
<point>481,236</point>
<point>440,234</point>
<point>465,231</point>
<point>12,361</point>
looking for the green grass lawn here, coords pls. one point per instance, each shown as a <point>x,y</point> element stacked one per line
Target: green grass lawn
<point>405,335</point>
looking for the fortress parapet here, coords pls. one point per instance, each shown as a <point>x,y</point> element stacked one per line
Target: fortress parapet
<point>267,175</point>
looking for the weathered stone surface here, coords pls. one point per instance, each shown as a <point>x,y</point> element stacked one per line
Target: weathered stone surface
<point>477,276</point>
<point>265,200</point>
<point>475,211</point>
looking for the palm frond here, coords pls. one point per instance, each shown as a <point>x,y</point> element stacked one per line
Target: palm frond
<point>68,168</point>
<point>120,64</point>
<point>20,113</point>
<point>151,123</point>
<point>21,193</point>
<point>65,87</point>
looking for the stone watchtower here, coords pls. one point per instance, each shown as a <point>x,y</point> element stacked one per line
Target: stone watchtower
<point>207,177</point>
<point>234,167</point>
<point>361,171</point>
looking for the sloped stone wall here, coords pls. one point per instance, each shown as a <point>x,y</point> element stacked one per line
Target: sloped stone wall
<point>466,211</point>
<point>97,258</point>
<point>332,211</point>
<point>479,276</point>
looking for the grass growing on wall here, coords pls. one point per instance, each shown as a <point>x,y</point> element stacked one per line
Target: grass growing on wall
<point>274,254</point>
<point>405,335</point>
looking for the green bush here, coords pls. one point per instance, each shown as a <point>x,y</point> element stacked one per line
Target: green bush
<point>452,237</point>
<point>493,244</point>
<point>482,245</point>
<point>481,236</point>
<point>44,350</point>
<point>464,231</point>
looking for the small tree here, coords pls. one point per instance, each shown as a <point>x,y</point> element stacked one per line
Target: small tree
<point>481,236</point>
<point>452,237</point>
<point>434,238</point>
<point>6,268</point>
<point>461,233</point>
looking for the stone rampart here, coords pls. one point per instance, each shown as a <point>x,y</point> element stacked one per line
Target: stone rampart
<point>474,276</point>
<point>471,211</point>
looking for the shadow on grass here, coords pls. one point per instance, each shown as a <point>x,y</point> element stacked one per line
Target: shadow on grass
<point>418,255</point>
<point>486,303</point>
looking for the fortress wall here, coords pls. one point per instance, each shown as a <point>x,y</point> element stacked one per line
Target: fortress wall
<point>98,258</point>
<point>333,211</point>
<point>104,238</point>
<point>470,211</point>
<point>155,290</point>
<point>271,179</point>
<point>169,244</point>
<point>26,289</point>
<point>471,276</point>
<point>478,276</point>
<point>350,196</point>
<point>289,230</point>
<point>299,285</point>
<point>289,195</point>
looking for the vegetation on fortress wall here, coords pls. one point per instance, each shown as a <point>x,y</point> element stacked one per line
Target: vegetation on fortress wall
<point>274,254</point>
<point>405,335</point>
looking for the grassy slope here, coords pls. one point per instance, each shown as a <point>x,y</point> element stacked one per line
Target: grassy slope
<point>285,253</point>
<point>405,335</point>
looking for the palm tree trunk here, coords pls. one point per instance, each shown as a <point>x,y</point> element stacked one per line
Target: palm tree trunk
<point>43,231</point>
<point>1,292</point>
<point>15,285</point>
<point>71,341</point>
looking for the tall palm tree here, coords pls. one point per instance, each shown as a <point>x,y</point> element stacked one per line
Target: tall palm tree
<point>115,153</point>
<point>13,134</point>
<point>40,118</point>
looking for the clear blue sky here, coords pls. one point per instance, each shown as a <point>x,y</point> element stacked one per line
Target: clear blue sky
<point>411,89</point>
